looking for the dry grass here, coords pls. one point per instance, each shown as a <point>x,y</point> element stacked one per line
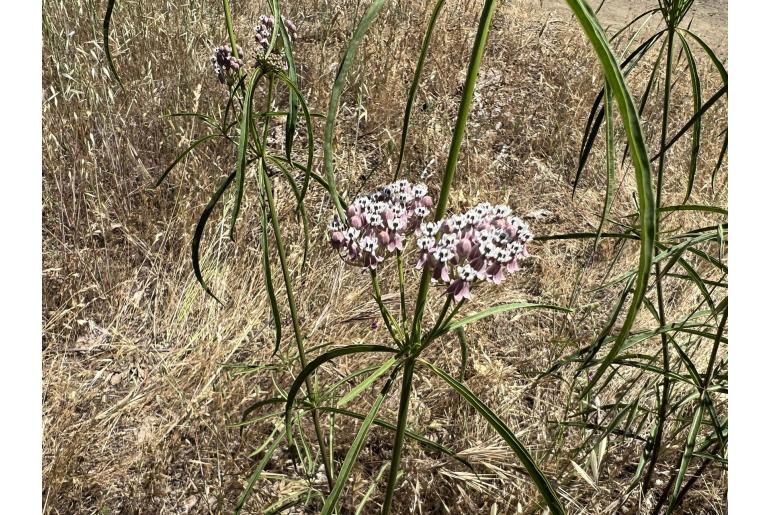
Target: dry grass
<point>137,400</point>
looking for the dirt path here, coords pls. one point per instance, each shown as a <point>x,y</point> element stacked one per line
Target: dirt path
<point>709,16</point>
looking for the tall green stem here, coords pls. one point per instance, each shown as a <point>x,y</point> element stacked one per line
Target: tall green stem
<point>663,408</point>
<point>482,34</point>
<point>267,188</point>
<point>398,444</point>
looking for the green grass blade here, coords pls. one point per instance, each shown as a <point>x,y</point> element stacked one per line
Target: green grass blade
<point>355,448</point>
<point>106,40</point>
<point>542,483</point>
<point>336,95</point>
<point>196,241</point>
<point>416,82</point>
<point>640,158</point>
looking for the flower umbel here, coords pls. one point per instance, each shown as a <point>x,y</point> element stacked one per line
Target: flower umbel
<point>226,64</point>
<point>378,223</point>
<point>483,244</point>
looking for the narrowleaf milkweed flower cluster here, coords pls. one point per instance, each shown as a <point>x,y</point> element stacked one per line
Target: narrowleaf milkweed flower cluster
<point>226,65</point>
<point>263,32</point>
<point>378,223</point>
<point>484,244</point>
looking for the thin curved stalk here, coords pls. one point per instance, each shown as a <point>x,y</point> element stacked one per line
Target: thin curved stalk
<point>479,44</point>
<point>416,82</point>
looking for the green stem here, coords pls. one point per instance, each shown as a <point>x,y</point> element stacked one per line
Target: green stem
<point>482,34</point>
<point>266,187</point>
<point>663,408</point>
<point>295,323</point>
<point>401,280</point>
<point>398,444</point>
<point>386,316</point>
<point>440,320</point>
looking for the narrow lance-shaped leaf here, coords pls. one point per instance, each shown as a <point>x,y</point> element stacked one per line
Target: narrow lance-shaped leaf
<point>696,130</point>
<point>640,157</point>
<point>502,308</point>
<point>355,448</point>
<point>336,95</point>
<point>610,162</point>
<point>416,82</point>
<point>320,360</point>
<point>291,118</point>
<point>425,442</point>
<point>181,156</point>
<point>543,485</point>
<point>243,141</point>
<point>196,242</point>
<point>268,275</point>
<point>258,472</point>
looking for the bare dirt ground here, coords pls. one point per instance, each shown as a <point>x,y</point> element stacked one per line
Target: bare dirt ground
<point>140,391</point>
<point>709,16</point>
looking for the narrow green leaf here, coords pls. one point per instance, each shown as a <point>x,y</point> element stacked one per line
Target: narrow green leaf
<point>243,141</point>
<point>640,157</point>
<point>268,275</point>
<point>416,82</point>
<point>320,360</point>
<point>355,449</point>
<point>336,95</point>
<point>196,242</point>
<point>258,472</point>
<point>696,130</point>
<point>182,155</point>
<point>542,483</point>
<point>363,385</point>
<point>502,308</point>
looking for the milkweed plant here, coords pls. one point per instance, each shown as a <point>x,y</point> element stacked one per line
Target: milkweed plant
<point>453,254</point>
